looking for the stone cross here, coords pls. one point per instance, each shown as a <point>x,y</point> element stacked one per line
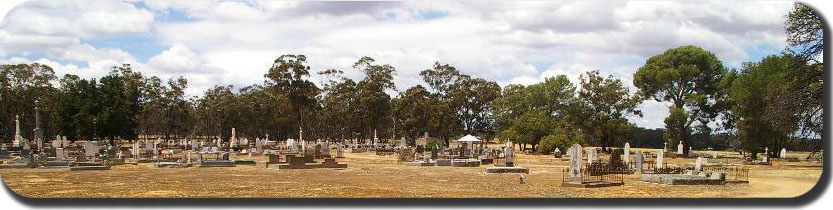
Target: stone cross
<point>18,138</point>
<point>57,143</point>
<point>665,146</point>
<point>627,156</point>
<point>575,164</point>
<point>766,154</point>
<point>680,148</point>
<point>659,159</point>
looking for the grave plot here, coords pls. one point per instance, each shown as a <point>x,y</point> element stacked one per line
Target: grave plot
<point>508,165</point>
<point>590,175</point>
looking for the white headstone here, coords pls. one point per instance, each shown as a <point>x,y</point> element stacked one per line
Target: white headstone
<point>18,138</point>
<point>680,148</point>
<point>57,143</point>
<point>89,149</point>
<point>575,164</point>
<point>627,156</point>
<point>509,155</point>
<point>59,153</point>
<point>766,155</point>
<point>659,159</point>
<point>783,154</point>
<point>698,164</point>
<point>591,156</point>
<point>136,150</point>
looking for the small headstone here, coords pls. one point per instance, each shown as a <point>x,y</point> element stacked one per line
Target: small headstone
<point>714,154</point>
<point>766,155</point>
<point>783,153</point>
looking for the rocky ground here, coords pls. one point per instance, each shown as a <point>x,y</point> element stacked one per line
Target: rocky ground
<point>371,176</point>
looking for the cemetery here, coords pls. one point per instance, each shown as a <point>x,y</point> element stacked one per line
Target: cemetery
<point>646,171</point>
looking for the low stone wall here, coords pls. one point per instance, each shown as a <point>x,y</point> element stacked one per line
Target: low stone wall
<point>690,178</point>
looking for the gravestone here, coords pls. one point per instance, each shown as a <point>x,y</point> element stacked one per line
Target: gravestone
<point>627,156</point>
<point>698,164</point>
<point>680,148</point>
<point>591,156</point>
<point>659,159</point>
<point>148,147</point>
<point>509,156</point>
<point>57,143</point>
<point>639,161</point>
<point>89,150</point>
<point>135,151</point>
<point>714,154</point>
<point>195,145</point>
<point>783,154</point>
<point>575,164</point>
<point>317,151</point>
<point>340,152</point>
<point>59,153</point>
<point>766,155</point>
<point>556,153</point>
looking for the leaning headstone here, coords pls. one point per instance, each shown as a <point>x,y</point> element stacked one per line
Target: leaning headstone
<point>639,161</point>
<point>783,154</point>
<point>627,156</point>
<point>575,164</point>
<point>659,159</point>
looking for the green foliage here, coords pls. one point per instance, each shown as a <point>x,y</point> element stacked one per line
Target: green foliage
<point>688,77</point>
<point>561,139</point>
<point>602,107</point>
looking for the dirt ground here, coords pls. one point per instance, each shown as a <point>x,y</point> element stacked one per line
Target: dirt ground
<point>371,176</point>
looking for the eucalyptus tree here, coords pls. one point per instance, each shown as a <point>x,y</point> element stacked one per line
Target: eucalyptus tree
<point>688,77</point>
<point>289,76</point>
<point>374,102</point>
<point>604,103</point>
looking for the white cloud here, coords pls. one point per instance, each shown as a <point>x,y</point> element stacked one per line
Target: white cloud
<point>510,42</point>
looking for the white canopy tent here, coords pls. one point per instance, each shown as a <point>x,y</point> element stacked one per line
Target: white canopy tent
<point>470,140</point>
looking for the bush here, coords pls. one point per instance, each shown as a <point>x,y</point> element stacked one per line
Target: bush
<point>561,140</point>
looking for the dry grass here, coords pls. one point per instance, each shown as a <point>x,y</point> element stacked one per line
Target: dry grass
<point>372,176</point>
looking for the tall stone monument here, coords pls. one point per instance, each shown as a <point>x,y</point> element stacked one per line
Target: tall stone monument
<point>627,155</point>
<point>659,159</point>
<point>575,164</point>
<point>509,156</point>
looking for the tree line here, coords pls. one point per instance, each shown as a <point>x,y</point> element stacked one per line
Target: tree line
<point>774,102</point>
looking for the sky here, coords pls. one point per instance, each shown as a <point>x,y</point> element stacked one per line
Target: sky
<point>235,42</point>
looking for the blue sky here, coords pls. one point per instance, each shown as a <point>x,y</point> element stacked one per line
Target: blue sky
<point>233,42</point>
